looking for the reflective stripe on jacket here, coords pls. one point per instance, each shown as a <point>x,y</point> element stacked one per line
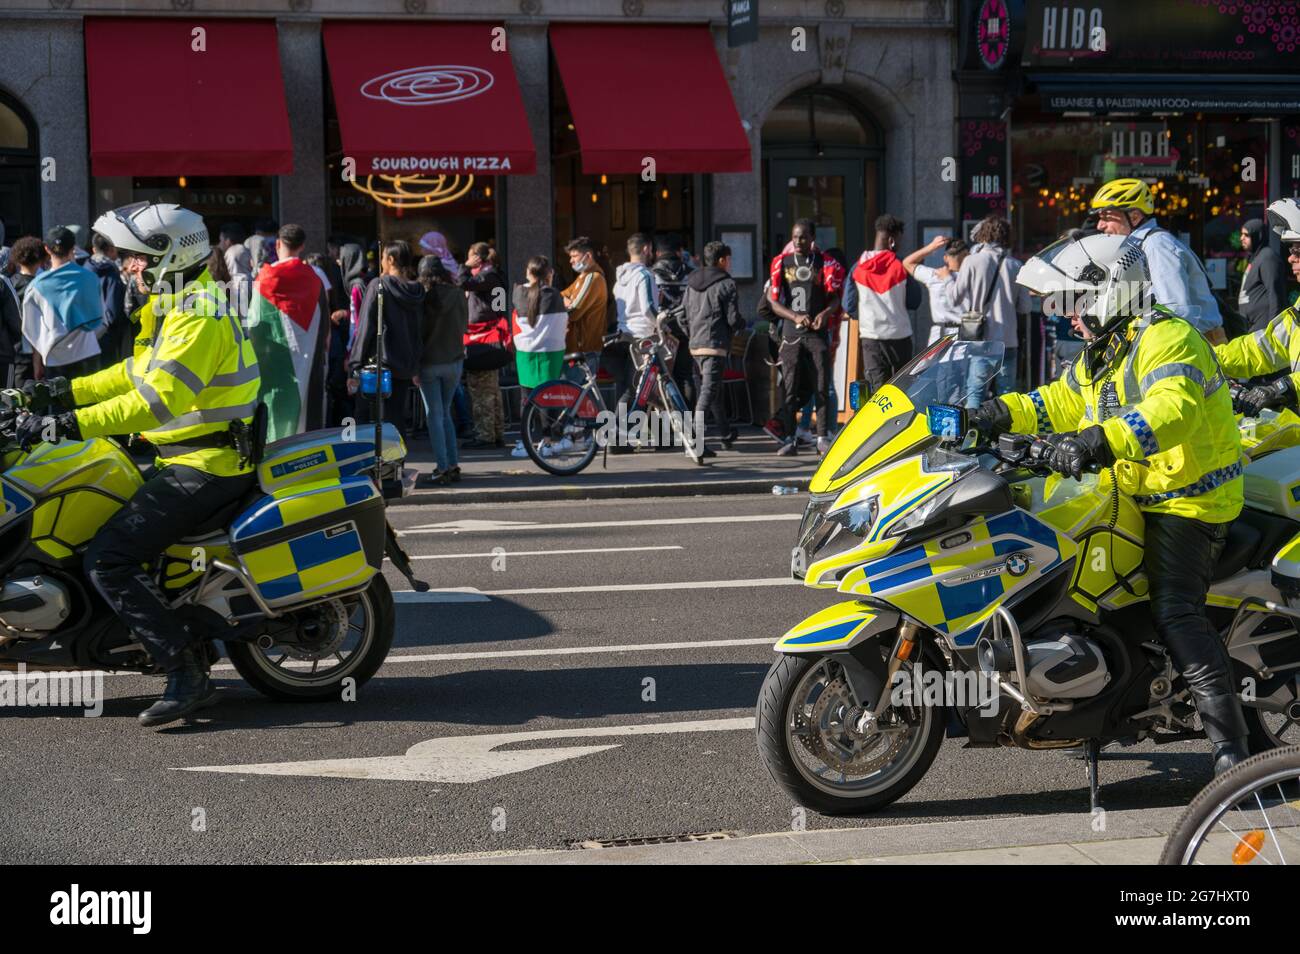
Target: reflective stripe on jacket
<point>199,374</point>
<point>1166,414</point>
<point>1275,347</point>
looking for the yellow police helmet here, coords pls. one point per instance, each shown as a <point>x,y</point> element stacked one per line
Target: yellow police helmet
<point>1124,194</point>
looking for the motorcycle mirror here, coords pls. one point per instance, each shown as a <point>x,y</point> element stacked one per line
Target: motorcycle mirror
<point>946,421</point>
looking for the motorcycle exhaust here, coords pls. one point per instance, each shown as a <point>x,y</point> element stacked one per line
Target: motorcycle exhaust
<point>995,655</point>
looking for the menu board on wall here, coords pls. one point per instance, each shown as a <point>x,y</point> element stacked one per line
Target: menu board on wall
<point>983,168</point>
<point>1290,172</point>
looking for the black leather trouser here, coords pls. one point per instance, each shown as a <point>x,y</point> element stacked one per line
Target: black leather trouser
<point>1180,557</point>
<point>169,506</point>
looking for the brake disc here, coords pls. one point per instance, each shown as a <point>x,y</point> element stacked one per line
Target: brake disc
<point>832,741</point>
<point>331,622</point>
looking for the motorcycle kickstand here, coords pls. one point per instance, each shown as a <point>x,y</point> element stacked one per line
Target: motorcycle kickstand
<point>1092,753</point>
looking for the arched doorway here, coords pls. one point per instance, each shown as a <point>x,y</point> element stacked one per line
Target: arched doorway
<point>20,196</point>
<point>823,159</point>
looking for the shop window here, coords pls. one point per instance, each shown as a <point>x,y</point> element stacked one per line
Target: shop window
<point>19,170</point>
<point>13,129</point>
<point>246,200</point>
<point>609,208</point>
<point>818,117</point>
<point>1194,167</point>
<point>379,209</point>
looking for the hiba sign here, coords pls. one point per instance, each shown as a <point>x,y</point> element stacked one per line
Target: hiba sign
<point>742,22</point>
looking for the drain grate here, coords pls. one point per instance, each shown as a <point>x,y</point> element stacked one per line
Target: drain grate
<point>692,836</point>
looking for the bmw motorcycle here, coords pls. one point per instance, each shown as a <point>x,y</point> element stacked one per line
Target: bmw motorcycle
<point>288,578</point>
<point>991,599</point>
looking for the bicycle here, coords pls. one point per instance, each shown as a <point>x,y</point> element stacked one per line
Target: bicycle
<point>1248,815</point>
<point>564,424</point>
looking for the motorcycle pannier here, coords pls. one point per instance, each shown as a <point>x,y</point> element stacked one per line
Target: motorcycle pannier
<point>311,540</point>
<point>330,453</point>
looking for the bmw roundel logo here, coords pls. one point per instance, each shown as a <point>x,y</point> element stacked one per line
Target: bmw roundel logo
<point>1018,564</point>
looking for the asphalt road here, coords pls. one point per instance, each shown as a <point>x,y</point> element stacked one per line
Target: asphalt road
<point>561,635</point>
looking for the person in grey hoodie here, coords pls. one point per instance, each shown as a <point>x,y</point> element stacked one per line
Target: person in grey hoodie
<point>1263,287</point>
<point>403,314</point>
<point>713,317</point>
<point>636,296</point>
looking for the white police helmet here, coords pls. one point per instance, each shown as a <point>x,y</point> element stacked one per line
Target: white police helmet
<point>171,239</point>
<point>1104,279</point>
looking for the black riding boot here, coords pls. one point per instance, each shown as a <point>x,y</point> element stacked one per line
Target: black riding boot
<point>1225,727</point>
<point>188,689</point>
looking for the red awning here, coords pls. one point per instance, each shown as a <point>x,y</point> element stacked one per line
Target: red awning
<point>161,106</point>
<point>428,99</point>
<point>640,92</point>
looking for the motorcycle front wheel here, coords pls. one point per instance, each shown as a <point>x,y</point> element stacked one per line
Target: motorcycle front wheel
<point>333,641</point>
<point>806,737</point>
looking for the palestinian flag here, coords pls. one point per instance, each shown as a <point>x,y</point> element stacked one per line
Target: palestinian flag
<point>288,325</point>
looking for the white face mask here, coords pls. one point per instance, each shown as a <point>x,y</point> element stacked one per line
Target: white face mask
<point>580,267</point>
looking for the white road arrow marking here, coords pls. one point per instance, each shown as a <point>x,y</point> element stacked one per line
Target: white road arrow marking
<point>462,759</point>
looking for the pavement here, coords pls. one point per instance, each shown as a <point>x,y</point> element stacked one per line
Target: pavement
<point>581,674</point>
<point>493,476</point>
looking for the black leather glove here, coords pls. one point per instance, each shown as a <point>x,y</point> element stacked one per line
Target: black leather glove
<point>42,395</point>
<point>35,428</point>
<point>1074,454</point>
<point>1279,393</point>
<point>991,418</point>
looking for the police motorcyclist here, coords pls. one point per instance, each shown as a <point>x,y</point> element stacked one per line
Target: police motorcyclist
<point>1147,397</point>
<point>192,393</point>
<point>1275,347</point>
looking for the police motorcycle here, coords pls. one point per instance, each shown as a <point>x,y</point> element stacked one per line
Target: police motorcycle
<point>993,598</point>
<point>288,579</point>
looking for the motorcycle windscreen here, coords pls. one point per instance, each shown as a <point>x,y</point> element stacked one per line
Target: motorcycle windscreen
<point>894,419</point>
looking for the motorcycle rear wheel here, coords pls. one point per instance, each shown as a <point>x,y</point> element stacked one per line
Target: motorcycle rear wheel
<point>297,677</point>
<point>793,719</point>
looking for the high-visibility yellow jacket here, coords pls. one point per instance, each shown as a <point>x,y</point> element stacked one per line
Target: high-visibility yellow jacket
<point>1275,347</point>
<point>199,374</point>
<point>1166,415</point>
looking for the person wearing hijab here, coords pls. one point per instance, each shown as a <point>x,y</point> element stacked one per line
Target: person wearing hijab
<point>257,252</point>
<point>1263,286</point>
<point>435,243</point>
<point>343,322</point>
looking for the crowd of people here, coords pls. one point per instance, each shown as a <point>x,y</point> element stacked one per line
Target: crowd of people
<point>456,330</point>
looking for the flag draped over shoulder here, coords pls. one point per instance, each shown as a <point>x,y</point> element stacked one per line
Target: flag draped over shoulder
<point>287,324</point>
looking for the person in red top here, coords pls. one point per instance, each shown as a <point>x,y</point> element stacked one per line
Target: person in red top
<point>805,296</point>
<point>884,326</point>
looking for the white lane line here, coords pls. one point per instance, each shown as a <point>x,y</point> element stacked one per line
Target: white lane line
<point>497,526</point>
<point>478,596</point>
<point>577,650</point>
<point>519,553</point>
<point>482,654</point>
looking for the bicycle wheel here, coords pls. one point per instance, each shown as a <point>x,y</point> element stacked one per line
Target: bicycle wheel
<point>1248,815</point>
<point>682,419</point>
<point>558,428</point>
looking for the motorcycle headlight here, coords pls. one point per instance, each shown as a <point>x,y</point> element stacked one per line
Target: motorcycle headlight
<point>918,517</point>
<point>859,518</point>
